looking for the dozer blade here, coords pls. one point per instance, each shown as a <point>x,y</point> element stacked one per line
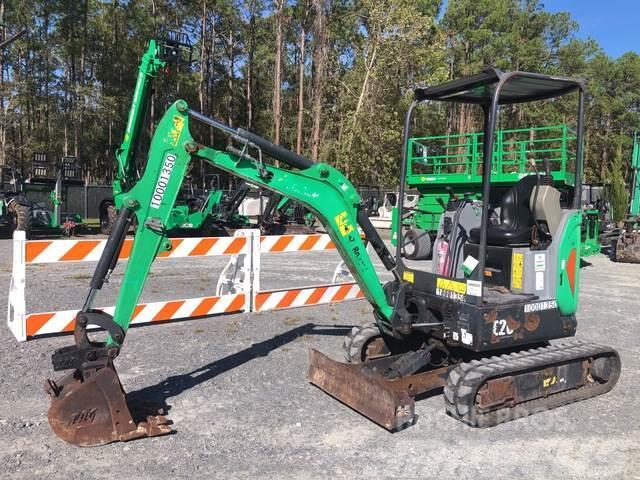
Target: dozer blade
<point>363,387</point>
<point>93,410</point>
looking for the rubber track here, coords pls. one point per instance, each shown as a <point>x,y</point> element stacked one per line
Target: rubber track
<point>464,381</point>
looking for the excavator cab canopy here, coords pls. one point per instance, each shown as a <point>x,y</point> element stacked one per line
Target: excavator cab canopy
<point>514,87</point>
<point>490,89</point>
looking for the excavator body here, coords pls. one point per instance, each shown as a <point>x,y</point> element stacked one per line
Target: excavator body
<point>477,326</point>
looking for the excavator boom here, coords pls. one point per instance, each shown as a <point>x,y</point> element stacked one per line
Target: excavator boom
<point>89,405</point>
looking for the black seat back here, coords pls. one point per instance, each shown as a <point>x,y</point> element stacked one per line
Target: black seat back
<point>515,209</point>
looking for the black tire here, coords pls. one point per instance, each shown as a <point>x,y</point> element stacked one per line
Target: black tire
<point>21,218</point>
<point>108,217</point>
<point>613,249</point>
<point>417,244</point>
<point>363,343</point>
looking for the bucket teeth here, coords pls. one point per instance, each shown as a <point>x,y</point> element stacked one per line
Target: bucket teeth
<point>89,408</point>
<point>154,426</point>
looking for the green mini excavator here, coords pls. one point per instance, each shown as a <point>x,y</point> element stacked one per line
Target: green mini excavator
<point>174,48</point>
<point>627,247</point>
<point>476,325</point>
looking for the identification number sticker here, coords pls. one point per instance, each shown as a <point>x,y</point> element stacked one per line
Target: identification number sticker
<point>451,289</point>
<point>163,180</point>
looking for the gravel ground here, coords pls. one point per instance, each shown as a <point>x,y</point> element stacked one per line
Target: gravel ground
<point>236,391</point>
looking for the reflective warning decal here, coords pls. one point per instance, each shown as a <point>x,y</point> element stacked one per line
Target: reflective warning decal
<point>344,224</point>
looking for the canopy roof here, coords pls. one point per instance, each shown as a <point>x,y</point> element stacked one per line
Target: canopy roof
<point>519,87</point>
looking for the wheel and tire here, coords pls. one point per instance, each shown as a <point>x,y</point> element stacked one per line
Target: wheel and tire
<point>417,244</point>
<point>613,249</point>
<point>20,218</point>
<point>108,217</point>
<point>364,343</point>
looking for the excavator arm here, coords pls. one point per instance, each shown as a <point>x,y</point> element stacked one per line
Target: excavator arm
<point>88,405</point>
<point>324,190</point>
<point>174,48</point>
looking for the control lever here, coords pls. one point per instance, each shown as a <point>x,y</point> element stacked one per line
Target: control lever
<point>451,193</point>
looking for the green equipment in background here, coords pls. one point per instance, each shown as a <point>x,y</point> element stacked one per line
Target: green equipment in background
<point>627,248</point>
<point>193,214</point>
<point>634,204</point>
<point>449,166</point>
<point>591,233</point>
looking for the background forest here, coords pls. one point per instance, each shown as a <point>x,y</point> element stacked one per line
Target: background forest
<point>330,79</point>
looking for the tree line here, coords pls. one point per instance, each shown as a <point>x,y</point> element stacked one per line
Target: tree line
<point>330,79</point>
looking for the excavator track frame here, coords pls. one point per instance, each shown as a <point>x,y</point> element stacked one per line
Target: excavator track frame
<point>484,393</point>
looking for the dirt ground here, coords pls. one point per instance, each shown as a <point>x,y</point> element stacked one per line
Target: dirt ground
<point>236,391</point>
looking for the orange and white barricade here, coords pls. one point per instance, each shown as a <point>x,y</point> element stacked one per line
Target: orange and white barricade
<point>238,288</point>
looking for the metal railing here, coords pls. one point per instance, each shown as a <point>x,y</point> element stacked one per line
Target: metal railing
<point>445,159</point>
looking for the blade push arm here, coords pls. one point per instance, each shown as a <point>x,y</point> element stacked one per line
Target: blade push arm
<point>321,188</point>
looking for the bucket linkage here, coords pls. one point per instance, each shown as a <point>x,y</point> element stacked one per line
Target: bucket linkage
<point>89,406</point>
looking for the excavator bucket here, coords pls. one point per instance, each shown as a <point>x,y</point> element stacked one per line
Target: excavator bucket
<point>90,409</point>
<point>363,387</point>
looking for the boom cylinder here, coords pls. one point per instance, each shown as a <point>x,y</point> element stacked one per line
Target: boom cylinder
<point>276,151</point>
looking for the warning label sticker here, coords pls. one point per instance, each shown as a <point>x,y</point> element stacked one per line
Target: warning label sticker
<point>451,285</point>
<point>408,276</point>
<point>517,267</point>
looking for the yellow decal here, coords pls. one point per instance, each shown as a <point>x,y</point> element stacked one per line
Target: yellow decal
<point>408,276</point>
<point>178,125</point>
<point>451,285</point>
<point>517,266</point>
<point>547,382</point>
<point>344,224</point>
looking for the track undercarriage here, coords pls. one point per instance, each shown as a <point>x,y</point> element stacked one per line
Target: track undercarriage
<point>481,391</point>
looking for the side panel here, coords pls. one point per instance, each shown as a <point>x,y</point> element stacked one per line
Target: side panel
<point>568,266</point>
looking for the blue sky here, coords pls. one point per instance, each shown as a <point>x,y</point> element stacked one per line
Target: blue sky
<point>614,24</point>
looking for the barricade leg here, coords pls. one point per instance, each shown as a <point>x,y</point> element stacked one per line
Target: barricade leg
<point>16,304</point>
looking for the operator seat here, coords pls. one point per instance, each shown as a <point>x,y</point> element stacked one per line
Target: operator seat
<point>516,218</point>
